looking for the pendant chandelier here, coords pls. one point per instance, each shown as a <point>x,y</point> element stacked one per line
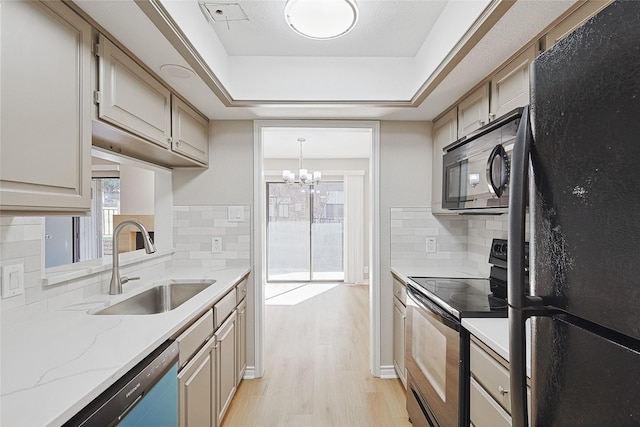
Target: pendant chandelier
<point>321,19</point>
<point>305,178</point>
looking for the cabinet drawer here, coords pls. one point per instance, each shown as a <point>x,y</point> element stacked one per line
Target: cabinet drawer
<point>224,307</point>
<point>491,375</point>
<point>485,412</point>
<point>191,339</point>
<point>400,290</point>
<point>241,290</point>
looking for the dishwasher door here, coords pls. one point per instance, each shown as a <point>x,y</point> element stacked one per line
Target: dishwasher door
<point>147,395</point>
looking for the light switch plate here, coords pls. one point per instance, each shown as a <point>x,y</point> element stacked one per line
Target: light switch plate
<point>235,213</point>
<point>12,280</point>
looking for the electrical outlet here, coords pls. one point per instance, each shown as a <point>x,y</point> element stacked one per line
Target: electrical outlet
<point>432,245</point>
<point>216,245</point>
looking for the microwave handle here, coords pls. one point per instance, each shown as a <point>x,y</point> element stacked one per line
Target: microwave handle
<point>498,189</point>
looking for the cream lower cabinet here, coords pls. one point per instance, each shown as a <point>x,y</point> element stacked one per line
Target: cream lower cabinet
<point>45,109</point>
<point>399,321</point>
<point>226,365</point>
<point>445,132</point>
<point>241,340</point>
<point>490,399</point>
<point>197,388</point>
<point>197,375</point>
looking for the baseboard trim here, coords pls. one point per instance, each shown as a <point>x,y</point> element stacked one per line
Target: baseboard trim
<point>388,371</point>
<point>249,373</point>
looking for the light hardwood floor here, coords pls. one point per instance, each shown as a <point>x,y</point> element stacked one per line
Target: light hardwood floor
<point>317,369</point>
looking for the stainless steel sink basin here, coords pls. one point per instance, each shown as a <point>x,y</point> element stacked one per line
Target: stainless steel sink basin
<point>159,299</point>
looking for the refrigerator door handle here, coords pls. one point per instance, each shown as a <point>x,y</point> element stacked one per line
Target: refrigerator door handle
<point>515,260</point>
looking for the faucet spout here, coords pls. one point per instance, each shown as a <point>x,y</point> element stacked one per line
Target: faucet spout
<point>115,287</point>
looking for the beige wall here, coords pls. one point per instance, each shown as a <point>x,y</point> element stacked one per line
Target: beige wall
<point>229,179</point>
<point>405,180</point>
<point>137,195</point>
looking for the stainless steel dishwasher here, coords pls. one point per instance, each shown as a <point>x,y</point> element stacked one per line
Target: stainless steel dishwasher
<point>147,395</point>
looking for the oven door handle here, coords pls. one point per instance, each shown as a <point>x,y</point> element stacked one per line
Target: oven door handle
<point>424,303</point>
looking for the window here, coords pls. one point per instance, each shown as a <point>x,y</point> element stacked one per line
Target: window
<point>75,239</point>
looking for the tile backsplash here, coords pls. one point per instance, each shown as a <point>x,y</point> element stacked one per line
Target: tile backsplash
<point>410,228</point>
<point>194,227</point>
<point>462,241</point>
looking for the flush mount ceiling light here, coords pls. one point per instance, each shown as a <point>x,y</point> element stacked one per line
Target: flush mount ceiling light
<point>321,19</point>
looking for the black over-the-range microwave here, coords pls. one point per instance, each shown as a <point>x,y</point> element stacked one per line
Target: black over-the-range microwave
<point>475,168</point>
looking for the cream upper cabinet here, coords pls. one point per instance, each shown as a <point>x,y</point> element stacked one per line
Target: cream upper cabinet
<point>473,111</point>
<point>573,21</point>
<point>45,109</point>
<point>131,98</point>
<point>510,85</point>
<point>445,131</point>
<point>190,131</point>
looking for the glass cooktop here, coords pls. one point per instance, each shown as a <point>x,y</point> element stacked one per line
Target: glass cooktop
<point>462,297</point>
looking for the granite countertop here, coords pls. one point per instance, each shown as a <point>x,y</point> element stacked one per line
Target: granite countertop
<point>56,362</point>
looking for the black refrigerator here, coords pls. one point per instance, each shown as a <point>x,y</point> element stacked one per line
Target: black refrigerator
<point>576,171</point>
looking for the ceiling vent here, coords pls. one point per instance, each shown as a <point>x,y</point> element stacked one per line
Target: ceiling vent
<point>223,12</point>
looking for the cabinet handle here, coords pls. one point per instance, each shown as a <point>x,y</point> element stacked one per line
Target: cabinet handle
<point>503,391</point>
<point>481,122</point>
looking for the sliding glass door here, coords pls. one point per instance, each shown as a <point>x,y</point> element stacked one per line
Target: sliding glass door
<point>305,232</point>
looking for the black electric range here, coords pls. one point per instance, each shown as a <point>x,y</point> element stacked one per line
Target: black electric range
<point>471,297</point>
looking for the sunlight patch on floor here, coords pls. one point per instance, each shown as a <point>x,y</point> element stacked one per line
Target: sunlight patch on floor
<point>294,293</point>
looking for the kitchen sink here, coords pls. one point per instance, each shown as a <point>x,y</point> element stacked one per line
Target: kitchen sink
<point>159,299</point>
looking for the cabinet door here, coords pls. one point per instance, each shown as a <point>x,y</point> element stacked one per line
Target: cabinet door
<point>573,21</point>
<point>45,109</point>
<point>226,348</point>
<point>196,384</point>
<point>190,131</point>
<point>131,98</point>
<point>445,131</point>
<point>399,319</point>
<point>241,341</point>
<point>510,86</point>
<point>473,111</point>
<point>484,411</point>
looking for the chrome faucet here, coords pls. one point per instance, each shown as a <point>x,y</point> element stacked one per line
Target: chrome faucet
<point>115,288</point>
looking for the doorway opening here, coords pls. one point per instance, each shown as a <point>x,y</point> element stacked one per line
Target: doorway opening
<point>305,232</point>
<point>358,215</point>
